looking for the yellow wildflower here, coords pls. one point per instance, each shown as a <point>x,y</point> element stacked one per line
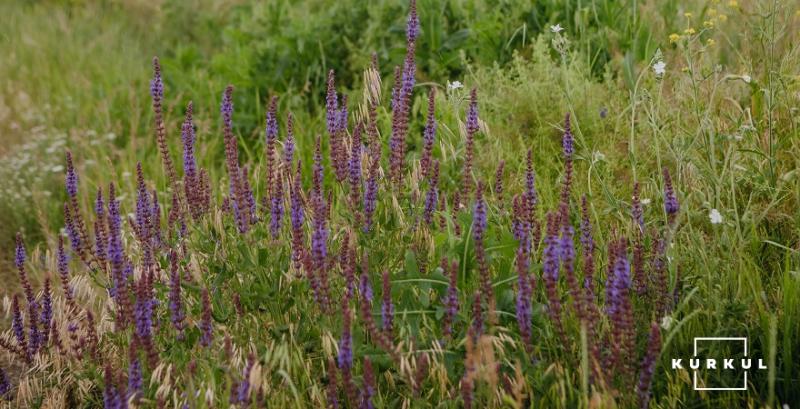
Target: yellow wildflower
<point>708,24</point>
<point>674,37</point>
<point>712,12</point>
<point>733,4</point>
<point>687,14</point>
<point>710,42</point>
<point>723,18</point>
<point>689,31</point>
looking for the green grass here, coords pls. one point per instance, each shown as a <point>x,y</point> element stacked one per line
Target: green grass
<point>77,72</point>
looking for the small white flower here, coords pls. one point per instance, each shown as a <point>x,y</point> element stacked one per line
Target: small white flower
<point>666,322</point>
<point>556,28</point>
<point>451,86</point>
<point>56,169</point>
<point>598,156</point>
<point>715,216</point>
<point>645,201</point>
<point>746,78</point>
<point>660,67</point>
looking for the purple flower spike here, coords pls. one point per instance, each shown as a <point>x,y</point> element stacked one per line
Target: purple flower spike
<point>451,298</point>
<point>432,197</point>
<point>370,195</point>
<point>5,385</point>
<point>429,135</point>
<point>345,359</point>
<point>111,396</point>
<point>365,288</point>
<point>63,270</point>
<point>412,27</point>
<point>288,146</point>
<point>47,309</point>
<point>297,218</point>
<point>135,380</point>
<point>671,206</point>
<point>387,308</point>
<point>355,167</point>
<point>567,141</point>
<point>71,178</point>
<point>17,324</point>
<point>648,366</point>
<point>479,222</point>
<point>369,386</point>
<point>206,326</point>
<point>175,304</point>
<point>531,196</point>
<point>276,207</point>
<point>331,105</point>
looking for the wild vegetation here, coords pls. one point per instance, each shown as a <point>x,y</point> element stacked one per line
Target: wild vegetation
<point>523,204</point>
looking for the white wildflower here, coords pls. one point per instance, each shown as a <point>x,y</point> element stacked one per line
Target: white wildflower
<point>746,78</point>
<point>646,201</point>
<point>715,216</point>
<point>598,156</point>
<point>56,169</point>
<point>556,28</point>
<point>660,67</point>
<point>452,86</point>
<point>666,322</point>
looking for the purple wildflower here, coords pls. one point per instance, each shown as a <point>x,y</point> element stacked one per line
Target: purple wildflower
<point>297,217</point>
<point>671,205</point>
<point>271,138</point>
<point>479,222</point>
<point>432,196</point>
<point>17,324</point>
<point>524,288</point>
<point>412,26</point>
<point>63,270</point>
<point>550,275</point>
<point>276,207</point>
<point>472,126</point>
<point>451,298</point>
<point>531,196</point>
<point>175,304</point>
<point>5,385</point>
<point>189,163</point>
<point>111,396</point>
<point>288,146</point>
<point>370,195</point>
<point>345,359</point>
<point>243,389</point>
<point>206,326</point>
<point>135,380</point>
<point>429,135</point>
<point>355,167</point>
<point>47,309</point>
<point>648,366</point>
<point>331,105</point>
<point>369,386</point>
<point>364,287</point>
<point>71,178</point>
<point>387,308</point>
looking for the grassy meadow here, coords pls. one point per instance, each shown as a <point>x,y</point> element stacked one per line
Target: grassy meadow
<point>440,203</point>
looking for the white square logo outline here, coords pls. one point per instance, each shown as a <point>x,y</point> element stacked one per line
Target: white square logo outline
<point>694,372</point>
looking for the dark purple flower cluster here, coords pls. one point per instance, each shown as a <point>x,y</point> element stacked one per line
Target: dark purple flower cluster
<point>206,326</point>
<point>432,196</point>
<point>671,205</point>
<point>451,296</point>
<point>387,307</point>
<point>429,135</point>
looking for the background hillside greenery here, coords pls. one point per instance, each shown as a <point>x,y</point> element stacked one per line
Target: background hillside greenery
<point>74,75</point>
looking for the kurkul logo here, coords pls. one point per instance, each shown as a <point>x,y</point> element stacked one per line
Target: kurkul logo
<point>727,364</point>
